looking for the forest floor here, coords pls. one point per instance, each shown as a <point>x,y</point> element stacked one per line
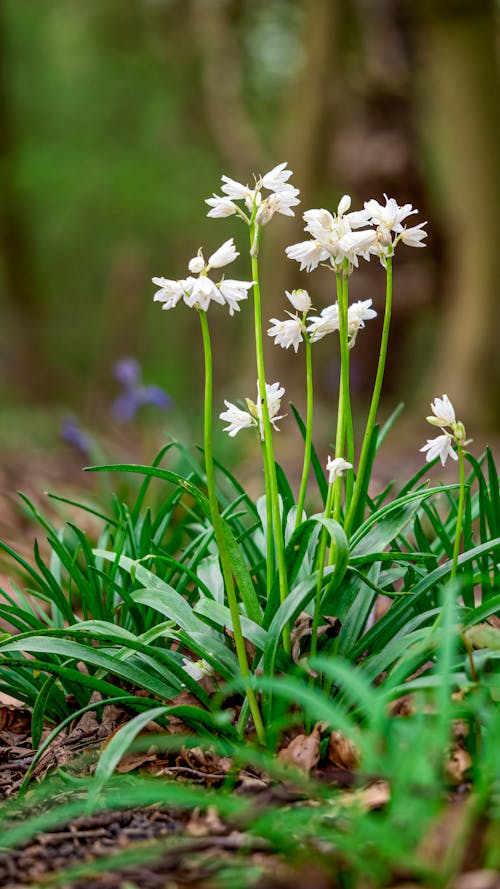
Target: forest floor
<point>181,848</point>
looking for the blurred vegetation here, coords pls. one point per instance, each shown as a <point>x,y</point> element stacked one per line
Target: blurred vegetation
<point>117,120</point>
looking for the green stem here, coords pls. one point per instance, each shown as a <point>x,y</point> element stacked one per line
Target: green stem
<point>308,437</point>
<point>460,513</point>
<point>219,533</point>
<point>372,416</point>
<point>320,562</point>
<point>272,490</point>
<point>344,416</point>
<point>349,428</point>
<point>269,525</point>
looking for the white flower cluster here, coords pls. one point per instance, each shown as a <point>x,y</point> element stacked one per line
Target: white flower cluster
<point>343,236</point>
<point>444,417</point>
<point>290,331</point>
<point>199,292</point>
<point>282,197</point>
<point>328,320</point>
<point>242,419</point>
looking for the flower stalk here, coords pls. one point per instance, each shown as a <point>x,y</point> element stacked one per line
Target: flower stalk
<point>372,415</point>
<point>308,436</point>
<point>218,531</point>
<point>271,478</point>
<point>460,511</point>
<point>344,434</point>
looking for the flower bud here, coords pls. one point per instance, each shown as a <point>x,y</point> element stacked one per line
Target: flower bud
<point>459,432</point>
<point>252,408</point>
<point>196,264</point>
<point>300,300</point>
<point>344,205</point>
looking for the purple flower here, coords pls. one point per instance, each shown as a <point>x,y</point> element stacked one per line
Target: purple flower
<point>127,371</point>
<point>72,434</point>
<point>134,395</point>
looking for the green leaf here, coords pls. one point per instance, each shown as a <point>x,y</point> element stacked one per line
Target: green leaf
<point>318,469</point>
<point>116,748</point>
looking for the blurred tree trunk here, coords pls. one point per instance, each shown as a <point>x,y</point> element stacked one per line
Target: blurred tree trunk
<point>21,287</point>
<point>227,119</point>
<point>302,140</point>
<point>461,127</point>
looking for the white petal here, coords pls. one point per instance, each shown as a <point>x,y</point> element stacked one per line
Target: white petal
<point>344,205</point>
<point>226,254</point>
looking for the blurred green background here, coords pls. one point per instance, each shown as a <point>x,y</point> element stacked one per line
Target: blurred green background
<point>117,119</point>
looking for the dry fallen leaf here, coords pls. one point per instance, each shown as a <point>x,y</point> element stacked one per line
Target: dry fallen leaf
<point>457,765</point>
<point>342,752</point>
<point>303,751</point>
<point>205,824</point>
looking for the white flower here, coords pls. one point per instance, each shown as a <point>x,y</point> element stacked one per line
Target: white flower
<point>414,236</point>
<point>240,419</point>
<point>201,293</point>
<point>170,292</point>
<point>222,207</point>
<point>224,255</point>
<point>197,669</point>
<point>440,447</point>
<point>308,253</point>
<point>336,466</point>
<point>318,223</point>
<point>279,202</point>
<point>237,419</point>
<point>196,264</point>
<point>444,412</point>
<point>277,178</point>
<point>327,322</point>
<point>235,190</point>
<point>389,216</point>
<point>286,333</point>
<point>357,314</point>
<point>233,292</point>
<point>354,244</point>
<point>274,392</point>
<point>300,300</point>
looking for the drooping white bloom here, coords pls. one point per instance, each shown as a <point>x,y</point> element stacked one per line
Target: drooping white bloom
<point>389,216</point>
<point>357,313</point>
<point>274,393</point>
<point>222,206</point>
<point>233,292</point>
<point>243,419</point>
<point>300,300</point>
<point>336,466</point>
<point>286,333</point>
<point>414,236</point>
<point>170,292</point>
<point>278,202</point>
<point>235,190</point>
<point>354,244</point>
<point>326,322</point>
<point>277,178</point>
<point>440,447</point>
<point>237,419</point>
<point>197,669</point>
<point>201,293</point>
<point>444,412</point>
<point>226,254</point>
<point>308,253</point>
<point>196,264</point>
